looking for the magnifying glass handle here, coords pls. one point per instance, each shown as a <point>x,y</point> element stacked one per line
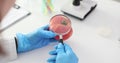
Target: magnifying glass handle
<point>61,39</point>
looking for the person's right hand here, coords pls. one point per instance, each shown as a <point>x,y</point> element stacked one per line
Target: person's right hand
<point>62,54</point>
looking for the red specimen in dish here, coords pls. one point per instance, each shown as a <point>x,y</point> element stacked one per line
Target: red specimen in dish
<point>60,24</point>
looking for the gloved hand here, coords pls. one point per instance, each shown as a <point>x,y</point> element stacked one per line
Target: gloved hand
<point>63,54</point>
<point>36,39</point>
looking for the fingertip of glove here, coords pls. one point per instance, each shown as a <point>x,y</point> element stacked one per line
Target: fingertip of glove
<point>53,34</point>
<point>48,60</point>
<point>52,59</point>
<point>52,52</point>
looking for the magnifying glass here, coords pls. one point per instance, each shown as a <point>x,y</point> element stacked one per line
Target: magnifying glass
<point>61,25</point>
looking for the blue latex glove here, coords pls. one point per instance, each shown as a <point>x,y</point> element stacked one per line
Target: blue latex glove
<point>62,54</point>
<point>36,39</point>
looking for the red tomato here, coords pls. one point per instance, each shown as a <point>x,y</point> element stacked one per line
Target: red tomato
<point>60,29</point>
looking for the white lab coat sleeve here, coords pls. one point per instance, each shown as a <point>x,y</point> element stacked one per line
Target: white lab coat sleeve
<point>9,46</point>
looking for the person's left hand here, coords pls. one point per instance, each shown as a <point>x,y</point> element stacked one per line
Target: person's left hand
<point>36,39</point>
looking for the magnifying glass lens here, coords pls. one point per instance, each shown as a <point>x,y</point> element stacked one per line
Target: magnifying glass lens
<point>61,25</point>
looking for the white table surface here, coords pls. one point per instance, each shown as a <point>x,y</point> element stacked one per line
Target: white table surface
<point>95,40</point>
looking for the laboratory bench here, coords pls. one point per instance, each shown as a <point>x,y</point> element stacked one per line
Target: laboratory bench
<point>95,39</point>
